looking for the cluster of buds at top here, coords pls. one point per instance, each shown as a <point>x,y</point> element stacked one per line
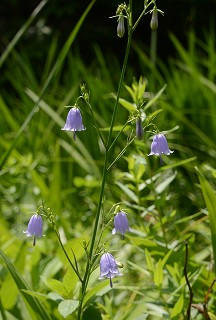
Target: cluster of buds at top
<point>121,14</point>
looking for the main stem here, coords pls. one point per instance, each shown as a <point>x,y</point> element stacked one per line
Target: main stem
<point>91,249</point>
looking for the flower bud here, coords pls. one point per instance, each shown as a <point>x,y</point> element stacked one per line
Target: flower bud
<point>120,26</point>
<point>139,129</point>
<point>154,20</point>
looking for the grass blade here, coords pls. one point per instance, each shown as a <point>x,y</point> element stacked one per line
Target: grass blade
<point>21,32</point>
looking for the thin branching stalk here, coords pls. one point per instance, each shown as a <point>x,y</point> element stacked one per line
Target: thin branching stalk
<point>188,283</point>
<point>104,176</point>
<point>68,258</point>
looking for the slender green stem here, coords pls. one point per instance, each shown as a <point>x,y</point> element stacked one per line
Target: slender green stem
<point>153,47</point>
<point>141,15</point>
<point>68,258</point>
<point>122,129</point>
<point>95,124</point>
<point>120,154</point>
<point>101,196</point>
<point>120,86</point>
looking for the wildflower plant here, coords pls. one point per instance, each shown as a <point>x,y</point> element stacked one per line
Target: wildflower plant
<point>137,114</point>
<point>103,245</point>
<point>81,276</point>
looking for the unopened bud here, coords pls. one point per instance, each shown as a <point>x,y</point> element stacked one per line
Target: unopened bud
<point>139,129</point>
<point>119,264</point>
<point>154,20</point>
<point>120,26</point>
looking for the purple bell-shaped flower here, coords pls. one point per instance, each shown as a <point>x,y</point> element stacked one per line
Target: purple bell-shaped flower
<point>121,224</point>
<point>74,121</point>
<point>159,146</point>
<point>35,227</point>
<point>108,267</point>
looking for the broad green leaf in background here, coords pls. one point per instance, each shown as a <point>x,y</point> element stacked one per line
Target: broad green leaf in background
<point>178,307</point>
<point>35,307</point>
<point>131,195</point>
<point>158,274</point>
<point>149,260</point>
<point>152,101</point>
<point>127,105</point>
<point>56,286</point>
<point>210,200</point>
<point>211,316</point>
<point>67,307</point>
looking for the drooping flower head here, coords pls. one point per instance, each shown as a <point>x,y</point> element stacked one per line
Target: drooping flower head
<point>74,121</point>
<point>121,224</point>
<point>139,128</point>
<point>35,227</point>
<point>108,267</point>
<point>159,146</point>
<point>154,20</point>
<point>120,26</point>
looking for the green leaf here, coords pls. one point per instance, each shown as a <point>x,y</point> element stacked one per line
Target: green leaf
<point>70,280</point>
<point>178,307</point>
<point>100,289</point>
<point>149,260</point>
<point>178,163</point>
<point>34,305</point>
<point>127,105</point>
<point>158,275</point>
<point>67,307</point>
<point>210,200</point>
<point>152,101</point>
<point>56,286</point>
<point>164,184</point>
<point>128,192</point>
<point>211,316</point>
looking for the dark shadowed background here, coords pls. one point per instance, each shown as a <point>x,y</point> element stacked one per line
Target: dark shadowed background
<point>59,17</point>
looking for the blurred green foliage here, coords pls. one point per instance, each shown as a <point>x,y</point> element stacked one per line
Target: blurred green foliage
<point>165,205</point>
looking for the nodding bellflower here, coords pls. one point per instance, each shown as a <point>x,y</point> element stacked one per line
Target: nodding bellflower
<point>159,146</point>
<point>35,227</point>
<point>74,121</point>
<point>108,267</point>
<point>121,224</point>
